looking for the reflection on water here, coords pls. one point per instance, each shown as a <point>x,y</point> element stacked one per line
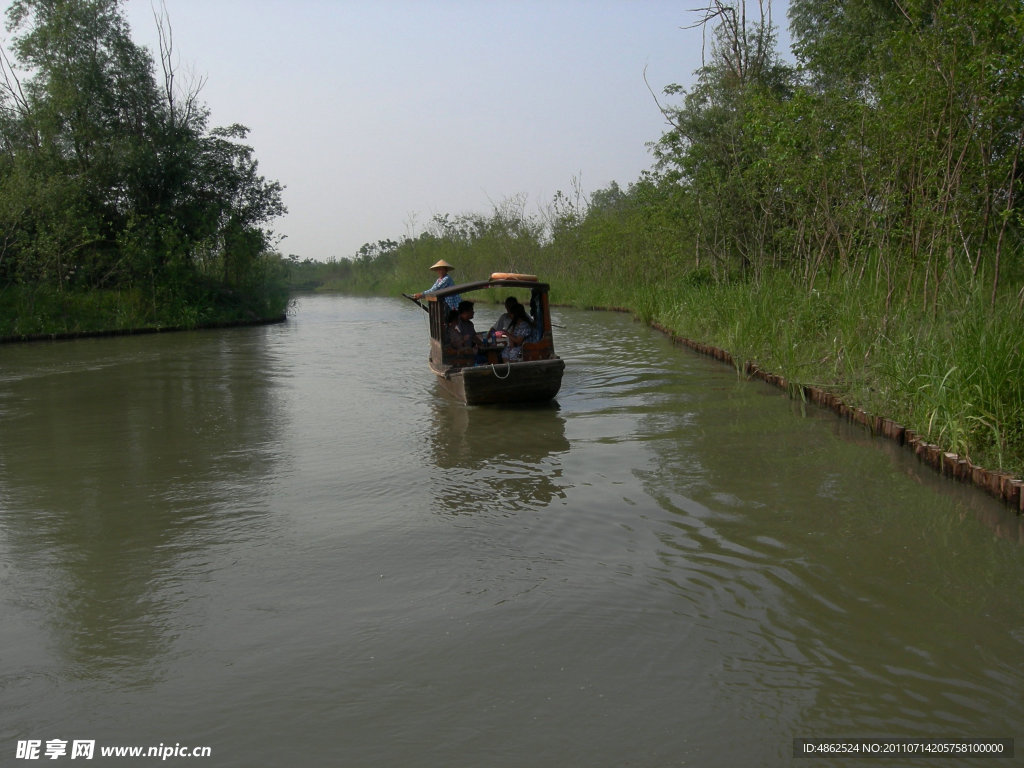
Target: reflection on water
<point>497,460</point>
<point>119,459</point>
<point>835,588</point>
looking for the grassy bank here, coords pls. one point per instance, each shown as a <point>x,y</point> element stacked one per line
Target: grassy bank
<point>952,371</point>
<point>42,312</point>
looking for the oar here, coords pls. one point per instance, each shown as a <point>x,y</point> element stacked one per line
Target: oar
<point>416,302</point>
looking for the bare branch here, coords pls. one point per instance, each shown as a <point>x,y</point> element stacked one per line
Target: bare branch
<point>664,110</point>
<point>11,85</point>
<point>180,114</point>
<point>165,39</point>
<point>713,11</point>
<point>735,49</point>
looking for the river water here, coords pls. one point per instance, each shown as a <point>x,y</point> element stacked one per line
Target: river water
<point>284,544</point>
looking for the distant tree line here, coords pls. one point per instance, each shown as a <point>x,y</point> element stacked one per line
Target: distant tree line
<point>112,180</point>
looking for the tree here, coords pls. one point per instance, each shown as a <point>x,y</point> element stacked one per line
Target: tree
<point>110,178</point>
<point>709,149</point>
<point>923,102</point>
<point>78,127</point>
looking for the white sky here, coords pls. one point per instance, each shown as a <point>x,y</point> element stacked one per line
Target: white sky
<point>378,114</point>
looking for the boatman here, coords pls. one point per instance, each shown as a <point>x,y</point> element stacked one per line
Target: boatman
<point>444,280</point>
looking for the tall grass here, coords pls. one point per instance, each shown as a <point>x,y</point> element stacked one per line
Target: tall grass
<point>953,372</point>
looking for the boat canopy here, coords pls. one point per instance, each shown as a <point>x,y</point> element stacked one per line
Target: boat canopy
<point>480,285</point>
<point>538,307</point>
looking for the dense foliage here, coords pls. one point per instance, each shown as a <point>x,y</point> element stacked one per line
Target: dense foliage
<point>853,220</point>
<point>115,194</point>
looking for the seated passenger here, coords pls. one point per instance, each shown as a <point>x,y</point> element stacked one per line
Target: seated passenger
<point>502,324</point>
<point>461,333</point>
<point>518,332</point>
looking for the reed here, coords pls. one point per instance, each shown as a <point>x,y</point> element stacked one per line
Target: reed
<point>953,373</point>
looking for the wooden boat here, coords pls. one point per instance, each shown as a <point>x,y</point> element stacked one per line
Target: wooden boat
<point>535,378</point>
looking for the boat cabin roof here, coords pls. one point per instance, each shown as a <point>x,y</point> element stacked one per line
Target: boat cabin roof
<point>503,282</point>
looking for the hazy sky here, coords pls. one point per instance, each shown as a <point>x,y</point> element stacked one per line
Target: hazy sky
<point>378,114</point>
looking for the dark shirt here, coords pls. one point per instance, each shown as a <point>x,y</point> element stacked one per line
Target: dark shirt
<point>462,335</point>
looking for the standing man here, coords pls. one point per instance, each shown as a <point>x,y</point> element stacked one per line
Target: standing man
<point>444,280</point>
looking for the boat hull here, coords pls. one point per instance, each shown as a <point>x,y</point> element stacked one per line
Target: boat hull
<point>520,382</point>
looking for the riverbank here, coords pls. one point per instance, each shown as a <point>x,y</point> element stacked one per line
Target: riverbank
<point>946,380</point>
<point>944,377</point>
<point>140,331</point>
<point>937,365</point>
<point>28,315</point>
<point>1002,485</point>
<point>943,358</point>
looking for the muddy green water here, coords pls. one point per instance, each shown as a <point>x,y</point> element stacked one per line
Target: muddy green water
<point>284,544</point>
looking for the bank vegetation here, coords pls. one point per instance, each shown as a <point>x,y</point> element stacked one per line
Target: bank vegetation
<point>120,206</point>
<point>851,220</point>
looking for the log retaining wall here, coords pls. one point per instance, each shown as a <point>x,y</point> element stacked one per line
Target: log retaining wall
<point>1003,486</point>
